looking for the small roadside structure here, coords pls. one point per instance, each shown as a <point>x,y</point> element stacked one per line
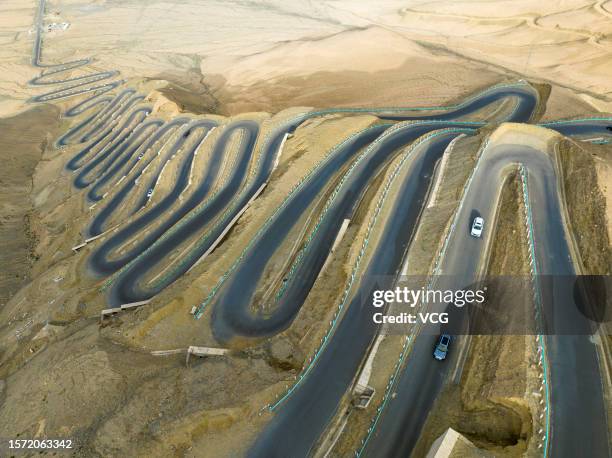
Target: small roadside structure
<point>363,396</point>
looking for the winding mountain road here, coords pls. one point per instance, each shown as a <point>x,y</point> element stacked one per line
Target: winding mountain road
<point>143,244</point>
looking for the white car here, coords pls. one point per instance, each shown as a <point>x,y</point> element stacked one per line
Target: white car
<point>477,226</point>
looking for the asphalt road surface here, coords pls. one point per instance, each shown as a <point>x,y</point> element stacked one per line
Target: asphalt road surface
<point>578,417</point>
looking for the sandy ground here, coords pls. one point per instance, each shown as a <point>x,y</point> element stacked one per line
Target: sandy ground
<point>229,47</point>
<point>585,167</point>
<point>23,139</point>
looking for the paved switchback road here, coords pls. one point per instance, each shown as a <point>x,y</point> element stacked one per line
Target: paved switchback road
<point>127,285</point>
<point>305,413</point>
<point>116,139</point>
<point>232,313</point>
<point>103,261</point>
<point>321,386</point>
<point>578,425</point>
<point>135,166</point>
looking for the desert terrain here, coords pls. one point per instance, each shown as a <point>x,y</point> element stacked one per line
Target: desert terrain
<point>237,121</point>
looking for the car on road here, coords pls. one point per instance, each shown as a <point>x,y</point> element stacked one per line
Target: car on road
<point>609,127</point>
<point>441,349</point>
<point>477,226</point>
<point>150,192</point>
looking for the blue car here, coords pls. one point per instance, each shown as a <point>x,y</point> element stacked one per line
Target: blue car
<point>441,349</point>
